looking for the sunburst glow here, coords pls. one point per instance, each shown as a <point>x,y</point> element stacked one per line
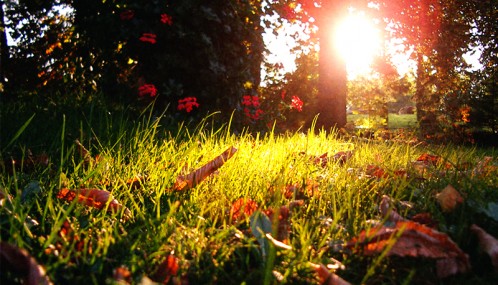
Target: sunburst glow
<point>358,40</point>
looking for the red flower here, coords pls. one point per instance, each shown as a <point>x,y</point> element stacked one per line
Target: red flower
<point>246,100</point>
<point>166,19</point>
<point>296,103</point>
<point>255,101</point>
<point>148,38</point>
<point>256,114</point>
<point>187,104</point>
<point>249,101</point>
<point>127,15</point>
<point>147,89</point>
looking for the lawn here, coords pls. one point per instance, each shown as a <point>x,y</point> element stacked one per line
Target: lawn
<point>111,200</point>
<point>395,121</point>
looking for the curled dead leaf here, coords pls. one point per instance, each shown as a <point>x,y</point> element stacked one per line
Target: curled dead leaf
<point>20,261</point>
<point>488,243</point>
<point>449,198</point>
<point>412,239</point>
<point>94,198</point>
<point>166,270</point>
<point>184,182</point>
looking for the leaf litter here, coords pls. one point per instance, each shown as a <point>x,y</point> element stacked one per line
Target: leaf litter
<point>416,237</point>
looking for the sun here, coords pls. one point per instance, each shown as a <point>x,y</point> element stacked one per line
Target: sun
<point>358,41</point>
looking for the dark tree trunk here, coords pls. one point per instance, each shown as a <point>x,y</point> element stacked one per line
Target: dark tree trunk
<point>4,48</point>
<point>332,86</point>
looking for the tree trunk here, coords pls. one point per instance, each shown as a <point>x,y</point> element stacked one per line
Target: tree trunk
<point>4,48</point>
<point>332,85</point>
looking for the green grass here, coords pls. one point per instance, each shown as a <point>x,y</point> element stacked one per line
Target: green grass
<point>79,244</point>
<point>395,121</point>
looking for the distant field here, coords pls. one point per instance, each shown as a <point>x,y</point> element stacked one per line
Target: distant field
<point>395,121</point>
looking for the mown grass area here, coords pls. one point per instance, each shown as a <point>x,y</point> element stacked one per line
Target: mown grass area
<point>395,121</point>
<point>323,190</point>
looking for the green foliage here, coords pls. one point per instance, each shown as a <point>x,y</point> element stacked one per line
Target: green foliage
<point>184,49</point>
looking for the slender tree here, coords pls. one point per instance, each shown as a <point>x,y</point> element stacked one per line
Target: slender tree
<point>332,87</point>
<point>4,48</point>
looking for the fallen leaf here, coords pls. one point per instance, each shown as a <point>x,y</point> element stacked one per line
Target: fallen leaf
<point>321,160</point>
<point>136,181</point>
<point>342,156</point>
<point>488,243</point>
<point>94,198</point>
<point>242,208</point>
<point>121,275</point>
<point>376,171</point>
<point>425,219</point>
<point>190,180</point>
<point>449,198</point>
<point>415,240</point>
<point>297,191</point>
<point>326,277</point>
<point>433,160</point>
<point>166,270</point>
<point>18,260</point>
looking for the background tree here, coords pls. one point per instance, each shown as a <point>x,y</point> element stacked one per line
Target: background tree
<point>181,49</point>
<point>439,34</point>
<point>484,95</point>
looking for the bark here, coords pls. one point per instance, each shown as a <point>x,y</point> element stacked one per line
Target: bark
<point>332,85</point>
<point>4,48</point>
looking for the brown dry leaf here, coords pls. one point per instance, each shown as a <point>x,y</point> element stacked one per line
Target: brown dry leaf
<point>19,261</point>
<point>321,160</point>
<point>388,211</point>
<point>449,198</point>
<point>242,208</point>
<point>343,156</point>
<point>94,198</point>
<point>184,182</point>
<point>412,239</point>
<point>121,275</point>
<point>488,243</point>
<point>167,270</point>
<point>376,171</point>
<point>326,277</point>
<point>433,160</point>
<point>299,191</point>
<point>136,182</point>
<point>425,219</point>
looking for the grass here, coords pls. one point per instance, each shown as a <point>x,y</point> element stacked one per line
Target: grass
<point>395,121</point>
<point>79,244</point>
